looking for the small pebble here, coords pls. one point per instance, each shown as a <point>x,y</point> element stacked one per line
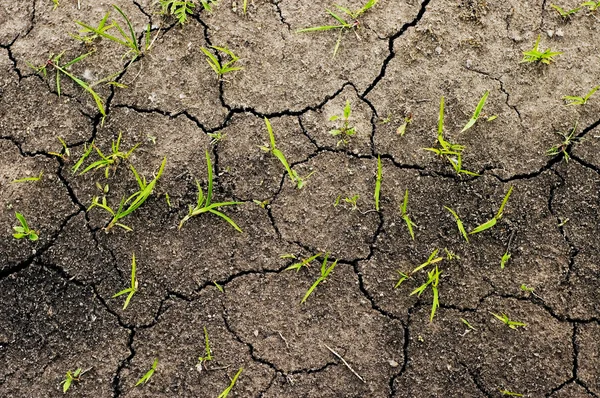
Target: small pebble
<point>393,363</point>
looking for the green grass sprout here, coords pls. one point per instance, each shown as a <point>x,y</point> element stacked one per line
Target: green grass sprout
<point>504,260</point>
<point>433,258</point>
<point>490,223</point>
<point>535,55</point>
<point>226,392</point>
<point>345,131</point>
<point>478,110</point>
<point>404,214</point>
<point>55,5</point>
<point>433,279</point>
<point>459,224</point>
<point>402,129</point>
<point>178,9</point>
<point>303,263</point>
<point>567,142</point>
<point>378,183</point>
<point>66,152</point>
<point>87,150</point>
<point>565,14</point>
<point>28,179</point>
<point>592,5</point>
<point>207,352</point>
<point>509,393</point>
<point>70,378</point>
<point>204,205</point>
<point>352,201</point>
<point>132,289</point>
<point>111,160</point>
<point>450,255</point>
<point>325,271</point>
<point>467,323</point>
<point>145,378</point>
<point>216,137</point>
<point>573,100</point>
<point>219,68</point>
<point>511,324</point>
<point>24,231</point>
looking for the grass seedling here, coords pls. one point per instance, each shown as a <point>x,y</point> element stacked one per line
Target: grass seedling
<point>343,25</point>
<point>402,129</point>
<point>55,4</point>
<point>459,224</point>
<point>66,152</point>
<point>526,289</point>
<point>345,131</point>
<point>467,323</point>
<point>303,263</point>
<point>28,179</point>
<point>592,5</point>
<point>565,14</point>
<point>207,351</point>
<point>450,255</point>
<point>378,183</point>
<point>511,324</point>
<point>204,205</point>
<point>504,260</point>
<point>564,146</point>
<point>245,7</point>
<point>573,100</point>
<point>433,258</point>
<point>404,214</point>
<point>535,55</point>
<point>178,9</point>
<point>216,137</point>
<point>352,201</point>
<point>70,378</point>
<point>145,378</point>
<point>490,223</point>
<point>215,64</point>
<point>107,161</point>
<point>132,289</point>
<point>24,231</point>
<point>509,393</point>
<point>87,150</point>
<point>226,392</point>
<point>433,278</point>
<point>478,110</point>
<point>325,271</point>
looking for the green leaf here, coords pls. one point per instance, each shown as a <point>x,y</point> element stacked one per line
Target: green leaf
<point>148,374</point>
<point>476,113</point>
<point>21,219</point>
<point>486,225</point>
<point>459,224</point>
<point>226,392</point>
<point>378,183</point>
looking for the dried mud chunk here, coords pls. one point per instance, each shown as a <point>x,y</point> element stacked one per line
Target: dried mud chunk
<point>587,343</point>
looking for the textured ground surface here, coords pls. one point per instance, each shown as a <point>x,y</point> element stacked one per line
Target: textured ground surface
<point>56,307</point>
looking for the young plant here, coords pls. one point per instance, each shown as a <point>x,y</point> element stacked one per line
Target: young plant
<point>207,352</point>
<point>565,14</point>
<point>226,392</point>
<point>24,231</point>
<point>511,324</point>
<point>433,258</point>
<point>132,289</point>
<point>352,201</point>
<point>478,110</point>
<point>459,224</point>
<point>108,161</point>
<point>129,205</point>
<point>573,100</point>
<point>504,260</point>
<point>490,223</point>
<point>404,214</point>
<point>378,183</point>
<point>70,378</point>
<point>535,55</point>
<point>66,152</point>
<point>87,150</point>
<point>28,179</point>
<point>467,323</point>
<point>148,374</point>
<point>433,278</point>
<point>204,205</point>
<point>346,131</point>
<point>216,137</point>
<point>325,271</point>
<point>352,24</point>
<point>402,129</point>
<point>592,5</point>
<point>303,263</point>
<point>563,147</point>
<point>509,393</point>
<point>178,9</point>
<point>55,4</point>
<point>219,68</point>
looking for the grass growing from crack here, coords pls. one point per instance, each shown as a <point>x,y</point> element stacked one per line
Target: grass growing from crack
<point>378,183</point>
<point>129,205</point>
<point>110,160</point>
<point>132,289</point>
<point>343,24</point>
<point>207,352</point>
<point>66,152</point>
<point>226,392</point>
<point>303,263</point>
<point>87,150</point>
<point>28,179</point>
<point>477,112</point>
<point>405,216</point>
<point>490,223</point>
<point>178,9</point>
<point>562,148</point>
<point>459,224</point>
<point>216,65</point>
<point>565,14</point>
<point>535,55</point>
<point>508,322</point>
<point>204,205</point>
<point>325,271</point>
<point>70,378</point>
<point>345,131</point>
<point>23,231</point>
<point>574,100</point>
<point>146,377</point>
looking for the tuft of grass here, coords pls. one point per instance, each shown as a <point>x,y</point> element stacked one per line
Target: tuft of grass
<point>106,161</point>
<point>221,68</point>
<point>207,351</point>
<point>535,55</point>
<point>204,205</point>
<point>563,147</point>
<point>342,25</point>
<point>24,231</point>
<point>504,260</point>
<point>565,14</point>
<point>179,9</point>
<point>87,150</point>
<point>433,258</point>
<point>591,5</point>
<point>66,152</point>
<point>405,216</point>
<point>490,223</point>
<point>345,131</point>
<point>216,137</point>
<point>145,378</point>
<point>378,183</point>
<point>433,279</point>
<point>303,263</point>
<point>325,271</point>
<point>574,100</point>
<point>28,179</point>
<point>459,224</point>
<point>226,392</point>
<point>129,205</point>
<point>508,322</point>
<point>132,289</point>
<point>56,4</point>
<point>70,378</point>
<point>478,110</point>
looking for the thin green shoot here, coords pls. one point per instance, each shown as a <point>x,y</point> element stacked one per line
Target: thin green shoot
<point>219,68</point>
<point>433,279</point>
<point>145,378</point>
<point>467,323</point>
<point>491,118</point>
<point>108,161</point>
<point>508,322</point>
<point>378,183</point>
<point>535,55</point>
<point>168,200</point>
<point>28,179</point>
<point>226,392</point>
<point>526,289</point>
<point>568,139</point>
<point>573,100</point>
<point>178,9</point>
<point>129,205</point>
<point>303,263</point>
<point>70,378</point>
<point>509,393</point>
<point>450,255</point>
<point>207,351</point>
<point>204,205</point>
<point>592,5</point>
<point>66,152</point>
<point>219,287</point>
<point>352,201</point>
<point>433,258</point>
<point>406,217</point>
<point>345,131</point>
<point>133,288</point>
<point>87,150</point>
<point>478,110</point>
<point>56,4</point>
<point>459,224</point>
<point>245,6</point>
<point>402,129</point>
<point>565,14</point>
<point>216,137</point>
<point>504,260</point>
<point>490,223</point>
<point>325,271</point>
<point>23,231</point>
